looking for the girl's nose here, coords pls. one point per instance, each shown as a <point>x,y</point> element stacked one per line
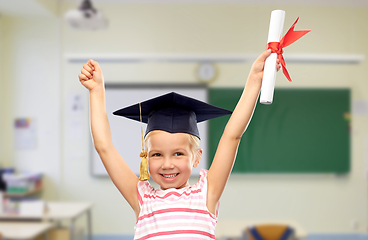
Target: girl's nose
<point>167,164</point>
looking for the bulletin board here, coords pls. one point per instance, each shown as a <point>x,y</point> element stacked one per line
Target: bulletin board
<point>302,131</point>
<point>126,133</point>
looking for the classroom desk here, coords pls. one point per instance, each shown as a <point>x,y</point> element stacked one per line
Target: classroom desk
<point>24,230</point>
<point>56,212</point>
<point>234,228</point>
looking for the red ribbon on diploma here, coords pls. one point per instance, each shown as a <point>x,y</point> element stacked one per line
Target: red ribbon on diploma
<point>290,37</point>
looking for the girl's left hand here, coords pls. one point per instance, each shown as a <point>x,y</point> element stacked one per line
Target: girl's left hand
<point>256,73</point>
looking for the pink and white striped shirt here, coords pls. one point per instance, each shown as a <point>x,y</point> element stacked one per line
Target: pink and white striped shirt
<point>178,214</point>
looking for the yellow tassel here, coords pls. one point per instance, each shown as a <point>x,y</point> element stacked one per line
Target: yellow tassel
<point>144,166</point>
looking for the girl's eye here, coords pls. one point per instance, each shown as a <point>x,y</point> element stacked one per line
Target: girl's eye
<point>156,155</point>
<point>178,154</point>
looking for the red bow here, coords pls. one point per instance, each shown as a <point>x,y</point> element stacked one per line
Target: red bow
<point>290,37</point>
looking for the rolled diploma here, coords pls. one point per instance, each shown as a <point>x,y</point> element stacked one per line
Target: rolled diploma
<point>269,72</point>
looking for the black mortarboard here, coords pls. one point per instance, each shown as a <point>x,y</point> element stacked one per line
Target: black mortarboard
<point>172,113</point>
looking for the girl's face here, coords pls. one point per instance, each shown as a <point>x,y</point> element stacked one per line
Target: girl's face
<point>170,159</point>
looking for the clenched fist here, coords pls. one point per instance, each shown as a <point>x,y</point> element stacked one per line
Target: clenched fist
<point>91,75</point>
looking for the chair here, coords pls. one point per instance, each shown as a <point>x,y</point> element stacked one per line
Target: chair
<point>269,232</point>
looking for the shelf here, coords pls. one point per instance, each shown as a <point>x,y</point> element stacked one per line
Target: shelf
<point>15,195</point>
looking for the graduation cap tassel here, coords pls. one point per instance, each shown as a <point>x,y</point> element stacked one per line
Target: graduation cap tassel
<point>144,164</point>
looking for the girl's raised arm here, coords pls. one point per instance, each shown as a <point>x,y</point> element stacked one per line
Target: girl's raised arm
<point>223,161</point>
<point>122,176</point>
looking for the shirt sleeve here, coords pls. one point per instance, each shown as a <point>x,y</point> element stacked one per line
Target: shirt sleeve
<point>143,188</point>
<point>203,185</point>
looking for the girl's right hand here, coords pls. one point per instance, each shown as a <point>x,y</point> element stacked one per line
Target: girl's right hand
<point>91,75</point>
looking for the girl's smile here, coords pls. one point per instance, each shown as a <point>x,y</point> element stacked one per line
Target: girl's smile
<point>169,177</point>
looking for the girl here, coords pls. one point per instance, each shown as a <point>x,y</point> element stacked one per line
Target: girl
<point>177,210</point>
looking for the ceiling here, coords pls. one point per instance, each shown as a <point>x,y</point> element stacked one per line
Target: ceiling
<point>282,2</point>
<point>35,7</point>
<point>22,8</point>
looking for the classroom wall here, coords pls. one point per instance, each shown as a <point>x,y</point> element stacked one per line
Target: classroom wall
<point>321,203</point>
<point>31,89</point>
<point>5,96</point>
<point>2,98</point>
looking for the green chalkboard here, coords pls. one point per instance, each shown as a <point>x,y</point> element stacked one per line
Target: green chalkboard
<point>302,131</point>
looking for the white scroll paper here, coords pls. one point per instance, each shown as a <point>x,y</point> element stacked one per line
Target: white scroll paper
<point>269,73</point>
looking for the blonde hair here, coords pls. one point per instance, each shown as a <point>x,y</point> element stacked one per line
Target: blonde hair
<point>193,141</point>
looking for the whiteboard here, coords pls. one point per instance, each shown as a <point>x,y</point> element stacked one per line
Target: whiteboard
<point>126,133</point>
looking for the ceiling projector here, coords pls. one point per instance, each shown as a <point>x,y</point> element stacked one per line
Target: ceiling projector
<point>86,17</point>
